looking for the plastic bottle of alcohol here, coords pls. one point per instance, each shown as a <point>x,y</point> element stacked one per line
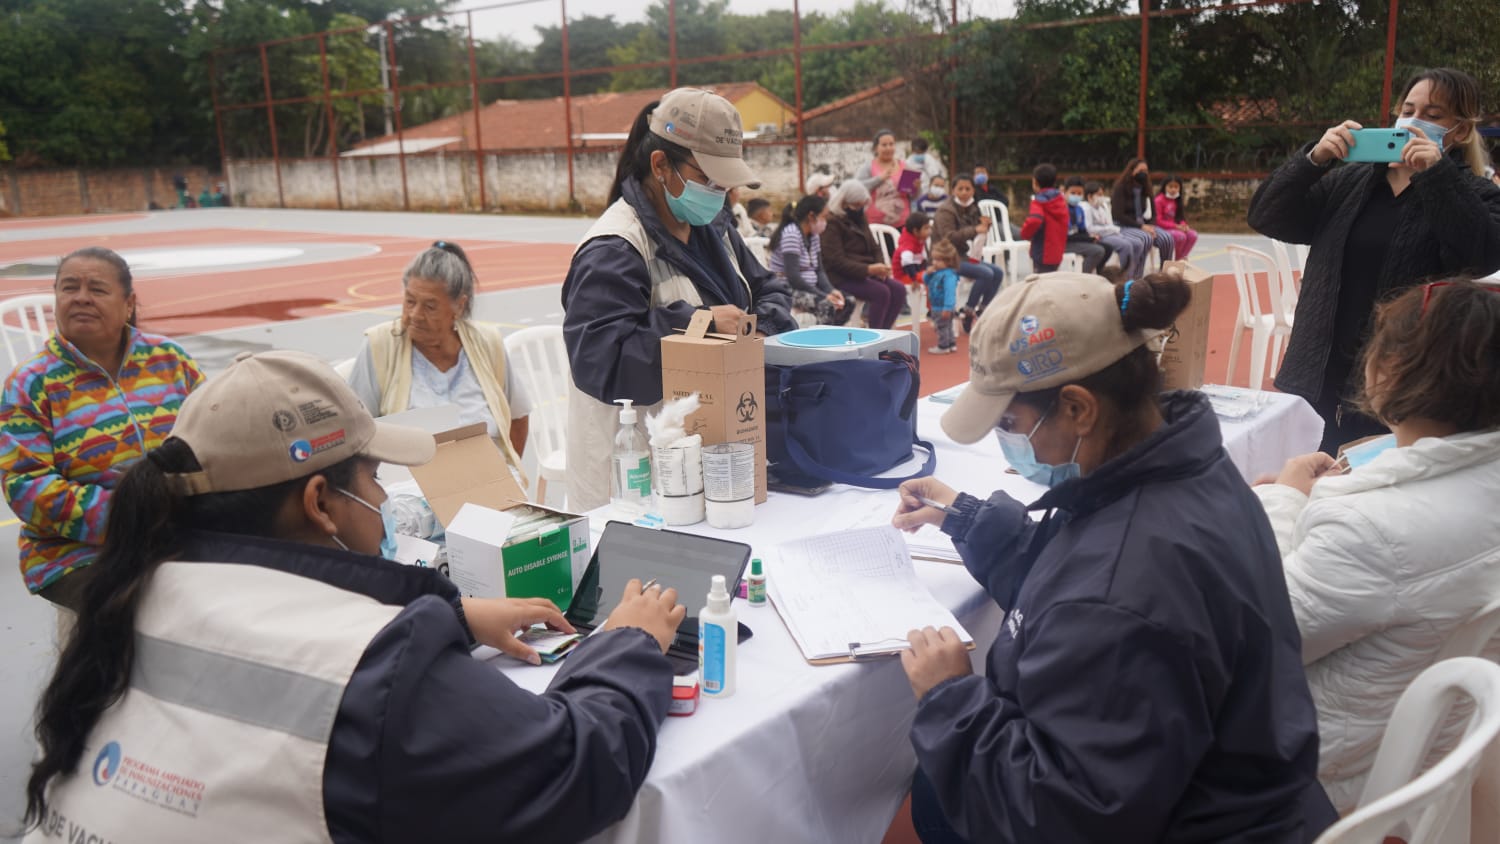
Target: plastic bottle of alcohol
<point>718,640</point>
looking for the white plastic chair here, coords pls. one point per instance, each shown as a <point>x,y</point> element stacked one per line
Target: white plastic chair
<point>1423,809</point>
<point>1473,639</point>
<point>344,368</point>
<point>1000,245</point>
<point>1072,262</point>
<point>541,362</point>
<point>1291,273</point>
<point>886,239</point>
<point>1263,327</point>
<point>761,248</point>
<point>33,317</point>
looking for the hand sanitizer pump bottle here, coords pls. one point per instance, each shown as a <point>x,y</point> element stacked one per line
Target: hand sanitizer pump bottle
<point>630,467</point>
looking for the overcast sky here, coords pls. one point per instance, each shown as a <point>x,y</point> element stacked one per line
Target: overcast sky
<point>520,22</point>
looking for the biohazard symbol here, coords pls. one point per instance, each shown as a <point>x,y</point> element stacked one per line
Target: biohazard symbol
<point>747,407</point>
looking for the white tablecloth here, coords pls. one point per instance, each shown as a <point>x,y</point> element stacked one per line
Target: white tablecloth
<point>820,753</point>
<point>1286,426</point>
<point>800,752</point>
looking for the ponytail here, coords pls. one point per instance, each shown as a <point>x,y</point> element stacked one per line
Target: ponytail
<point>1154,302</point>
<point>93,669</point>
<point>635,158</point>
<point>793,216</point>
<point>147,525</point>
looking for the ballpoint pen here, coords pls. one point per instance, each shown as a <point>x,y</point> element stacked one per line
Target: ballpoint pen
<point>936,506</point>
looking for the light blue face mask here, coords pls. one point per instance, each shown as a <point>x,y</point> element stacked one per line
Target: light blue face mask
<point>1363,453</point>
<point>1433,131</point>
<point>387,520</point>
<point>1074,199</point>
<point>698,205</point>
<point>1022,457</point>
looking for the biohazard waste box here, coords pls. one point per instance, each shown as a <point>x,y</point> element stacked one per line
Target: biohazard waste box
<point>728,372</point>
<point>1186,353</point>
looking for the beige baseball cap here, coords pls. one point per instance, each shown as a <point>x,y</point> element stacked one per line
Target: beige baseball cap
<point>278,416</point>
<point>1048,331</point>
<point>709,125</point>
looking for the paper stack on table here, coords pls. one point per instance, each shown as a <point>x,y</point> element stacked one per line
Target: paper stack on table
<point>927,543</point>
<point>1234,403</point>
<point>852,594</point>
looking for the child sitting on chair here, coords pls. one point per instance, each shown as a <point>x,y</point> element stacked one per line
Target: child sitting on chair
<point>1046,223</point>
<point>911,249</point>
<point>1171,214</point>
<point>942,296</point>
<point>935,195</point>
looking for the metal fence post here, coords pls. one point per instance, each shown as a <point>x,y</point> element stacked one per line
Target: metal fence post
<point>265,75</point>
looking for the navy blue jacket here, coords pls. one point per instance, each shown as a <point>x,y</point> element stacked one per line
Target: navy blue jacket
<point>1147,683</point>
<point>430,744</point>
<point>613,332</point>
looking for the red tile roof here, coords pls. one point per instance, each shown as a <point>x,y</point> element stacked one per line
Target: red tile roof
<point>540,124</point>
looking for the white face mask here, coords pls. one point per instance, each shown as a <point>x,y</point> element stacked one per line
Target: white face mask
<point>964,203</point>
<point>1096,201</point>
<point>1172,194</point>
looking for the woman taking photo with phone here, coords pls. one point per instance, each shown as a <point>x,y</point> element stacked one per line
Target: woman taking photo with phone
<point>1376,228</point>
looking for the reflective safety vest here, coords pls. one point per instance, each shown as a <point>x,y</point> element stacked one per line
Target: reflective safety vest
<point>592,423</point>
<point>237,678</point>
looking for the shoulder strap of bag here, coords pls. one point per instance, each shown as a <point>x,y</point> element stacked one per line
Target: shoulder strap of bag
<point>807,466</point>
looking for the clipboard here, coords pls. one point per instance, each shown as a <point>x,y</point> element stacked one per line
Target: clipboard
<point>825,597</point>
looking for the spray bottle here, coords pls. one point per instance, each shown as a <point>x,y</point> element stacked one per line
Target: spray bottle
<point>630,467</point>
<point>718,639</point>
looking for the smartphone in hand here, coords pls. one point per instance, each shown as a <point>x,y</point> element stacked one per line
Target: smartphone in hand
<point>1378,145</point>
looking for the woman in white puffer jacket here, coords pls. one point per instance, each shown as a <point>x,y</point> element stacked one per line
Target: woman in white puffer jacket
<point>1384,563</point>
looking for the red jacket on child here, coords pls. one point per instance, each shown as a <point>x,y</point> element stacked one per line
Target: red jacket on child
<point>1046,227</point>
<point>908,243</point>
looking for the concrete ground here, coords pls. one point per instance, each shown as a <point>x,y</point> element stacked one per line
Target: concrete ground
<point>29,623</point>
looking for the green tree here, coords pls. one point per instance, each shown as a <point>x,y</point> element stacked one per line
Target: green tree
<point>590,39</point>
<point>96,82</point>
<point>828,75</point>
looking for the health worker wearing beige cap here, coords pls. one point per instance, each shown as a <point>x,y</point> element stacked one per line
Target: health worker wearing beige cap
<point>1147,682</point>
<point>243,667</point>
<point>665,247</point>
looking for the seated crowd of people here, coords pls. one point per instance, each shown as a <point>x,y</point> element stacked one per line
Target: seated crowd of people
<point>1185,657</point>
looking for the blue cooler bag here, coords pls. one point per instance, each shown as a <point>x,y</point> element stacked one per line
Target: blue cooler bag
<point>845,421</point>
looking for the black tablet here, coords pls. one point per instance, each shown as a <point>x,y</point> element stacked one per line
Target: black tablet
<point>684,561</point>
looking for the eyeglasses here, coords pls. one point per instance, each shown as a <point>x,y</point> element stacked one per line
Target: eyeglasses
<point>1007,424</point>
<point>708,181</point>
<point>1428,288</point>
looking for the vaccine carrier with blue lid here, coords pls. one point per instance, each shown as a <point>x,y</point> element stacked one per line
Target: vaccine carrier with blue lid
<point>830,342</point>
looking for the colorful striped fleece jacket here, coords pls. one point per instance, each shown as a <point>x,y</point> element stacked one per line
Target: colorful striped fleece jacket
<point>68,432</point>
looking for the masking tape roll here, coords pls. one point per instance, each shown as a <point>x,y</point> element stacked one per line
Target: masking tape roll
<point>681,509</point>
<point>730,514</point>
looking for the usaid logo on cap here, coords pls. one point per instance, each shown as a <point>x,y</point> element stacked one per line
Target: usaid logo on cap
<point>301,451</point>
<point>107,763</point>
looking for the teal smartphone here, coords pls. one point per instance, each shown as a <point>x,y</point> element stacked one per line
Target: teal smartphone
<point>1378,145</point>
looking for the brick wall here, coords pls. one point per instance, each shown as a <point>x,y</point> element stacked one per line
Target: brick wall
<point>43,193</point>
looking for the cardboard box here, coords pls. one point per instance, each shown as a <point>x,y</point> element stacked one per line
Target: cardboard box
<point>470,489</point>
<point>1186,354</point>
<point>489,558</point>
<point>728,373</point>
